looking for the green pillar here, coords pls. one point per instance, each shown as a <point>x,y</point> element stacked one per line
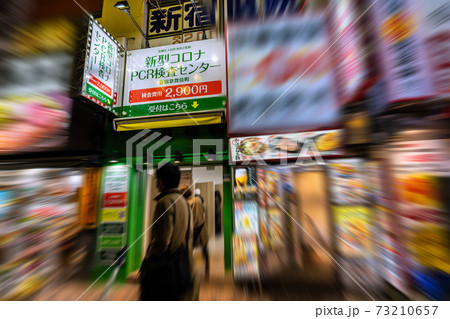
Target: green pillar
<point>227,216</point>
<point>135,234</point>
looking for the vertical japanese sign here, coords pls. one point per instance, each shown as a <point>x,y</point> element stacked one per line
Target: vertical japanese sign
<point>100,81</point>
<point>402,51</point>
<point>175,78</point>
<point>113,214</point>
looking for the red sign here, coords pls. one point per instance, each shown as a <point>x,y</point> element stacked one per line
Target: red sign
<point>115,200</point>
<point>99,84</point>
<point>176,91</point>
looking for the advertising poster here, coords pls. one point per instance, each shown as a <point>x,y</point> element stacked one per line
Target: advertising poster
<point>89,196</point>
<point>348,182</point>
<point>245,184</point>
<point>280,76</point>
<point>245,257</point>
<point>286,146</point>
<point>177,78</point>
<point>276,226</point>
<point>100,75</point>
<point>353,225</point>
<point>388,246</point>
<point>113,214</point>
<point>435,18</point>
<point>272,183</point>
<point>262,196</point>
<point>420,170</point>
<point>35,67</point>
<point>402,49</point>
<point>245,217</point>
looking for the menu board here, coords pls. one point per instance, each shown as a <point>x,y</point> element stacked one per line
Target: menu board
<point>113,214</point>
<point>101,67</point>
<point>177,78</point>
<point>284,146</point>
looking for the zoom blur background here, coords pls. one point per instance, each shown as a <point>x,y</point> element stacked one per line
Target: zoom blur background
<point>379,71</point>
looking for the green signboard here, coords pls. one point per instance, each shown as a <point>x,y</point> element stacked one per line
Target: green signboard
<point>186,77</point>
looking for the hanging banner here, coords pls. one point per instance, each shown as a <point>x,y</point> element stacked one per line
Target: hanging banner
<point>101,74</point>
<point>435,16</point>
<point>402,50</point>
<point>280,76</point>
<point>175,78</point>
<point>349,50</point>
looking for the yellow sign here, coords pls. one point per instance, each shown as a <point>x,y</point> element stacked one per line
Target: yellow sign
<point>113,214</point>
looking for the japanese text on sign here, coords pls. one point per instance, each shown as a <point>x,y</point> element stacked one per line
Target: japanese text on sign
<point>177,17</point>
<point>100,77</point>
<point>175,72</point>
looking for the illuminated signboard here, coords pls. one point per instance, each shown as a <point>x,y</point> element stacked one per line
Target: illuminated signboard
<point>102,67</point>
<point>178,78</point>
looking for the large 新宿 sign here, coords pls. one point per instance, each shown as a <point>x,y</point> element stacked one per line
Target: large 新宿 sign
<point>181,16</point>
<point>176,78</point>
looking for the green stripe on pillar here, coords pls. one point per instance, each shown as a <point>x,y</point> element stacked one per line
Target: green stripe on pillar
<point>227,217</point>
<point>136,220</point>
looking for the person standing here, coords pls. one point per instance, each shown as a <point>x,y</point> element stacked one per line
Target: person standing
<point>200,229</point>
<point>166,271</point>
<point>218,212</point>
